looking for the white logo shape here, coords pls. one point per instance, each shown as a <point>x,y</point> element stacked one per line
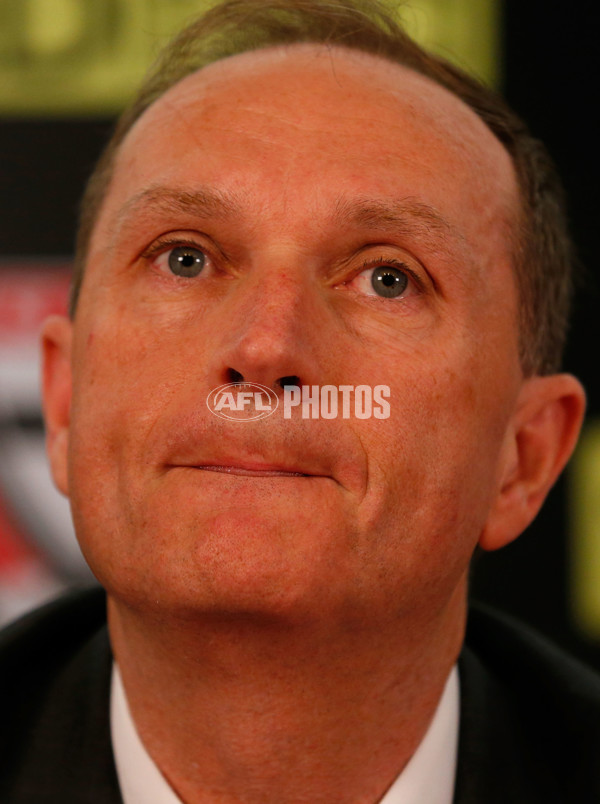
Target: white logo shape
<point>242,401</point>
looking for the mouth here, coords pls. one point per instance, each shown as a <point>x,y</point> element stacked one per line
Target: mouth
<point>252,470</point>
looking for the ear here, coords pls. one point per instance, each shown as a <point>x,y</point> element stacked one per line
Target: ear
<point>56,394</point>
<point>539,442</point>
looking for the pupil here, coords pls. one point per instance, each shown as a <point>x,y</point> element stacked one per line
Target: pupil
<point>388,281</point>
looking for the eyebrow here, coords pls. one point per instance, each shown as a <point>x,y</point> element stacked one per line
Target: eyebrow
<point>406,216</point>
<point>204,202</point>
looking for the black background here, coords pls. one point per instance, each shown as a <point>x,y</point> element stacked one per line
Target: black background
<point>550,78</point>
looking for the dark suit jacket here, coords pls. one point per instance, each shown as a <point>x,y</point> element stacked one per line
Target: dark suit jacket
<point>529,733</point>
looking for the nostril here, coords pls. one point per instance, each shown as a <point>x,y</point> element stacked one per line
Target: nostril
<point>292,379</point>
<point>234,376</point>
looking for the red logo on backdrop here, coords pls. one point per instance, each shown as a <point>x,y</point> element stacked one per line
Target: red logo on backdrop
<point>29,292</point>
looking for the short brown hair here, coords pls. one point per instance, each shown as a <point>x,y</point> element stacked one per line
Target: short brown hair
<point>541,244</point>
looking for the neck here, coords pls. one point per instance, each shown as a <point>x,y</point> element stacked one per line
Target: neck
<point>258,712</point>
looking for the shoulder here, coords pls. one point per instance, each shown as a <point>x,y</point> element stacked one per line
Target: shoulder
<point>36,650</point>
<point>51,631</point>
<point>535,669</point>
<point>529,708</point>
<point>55,667</point>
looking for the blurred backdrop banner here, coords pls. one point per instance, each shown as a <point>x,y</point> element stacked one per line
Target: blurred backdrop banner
<point>38,550</point>
<point>85,57</point>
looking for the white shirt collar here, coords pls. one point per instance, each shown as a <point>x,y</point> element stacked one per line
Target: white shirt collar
<point>428,776</point>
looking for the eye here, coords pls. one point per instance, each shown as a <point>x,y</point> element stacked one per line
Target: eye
<point>185,261</point>
<point>384,279</point>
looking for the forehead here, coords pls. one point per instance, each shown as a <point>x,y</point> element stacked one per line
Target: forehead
<point>303,126</point>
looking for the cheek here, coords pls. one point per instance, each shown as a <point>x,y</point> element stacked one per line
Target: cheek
<point>122,365</point>
<point>432,464</point>
<point>117,397</point>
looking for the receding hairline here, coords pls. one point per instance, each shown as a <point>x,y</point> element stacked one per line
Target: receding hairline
<point>321,51</point>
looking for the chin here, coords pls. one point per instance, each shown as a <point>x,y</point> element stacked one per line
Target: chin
<point>227,564</point>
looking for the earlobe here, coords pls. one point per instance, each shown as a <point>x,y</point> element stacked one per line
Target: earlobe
<point>56,393</point>
<point>543,433</point>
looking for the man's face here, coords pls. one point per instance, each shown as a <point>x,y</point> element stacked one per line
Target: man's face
<point>296,174</point>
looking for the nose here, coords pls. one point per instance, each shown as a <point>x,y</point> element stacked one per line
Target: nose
<point>273,330</point>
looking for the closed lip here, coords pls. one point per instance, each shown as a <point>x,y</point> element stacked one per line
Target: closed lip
<point>252,469</point>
